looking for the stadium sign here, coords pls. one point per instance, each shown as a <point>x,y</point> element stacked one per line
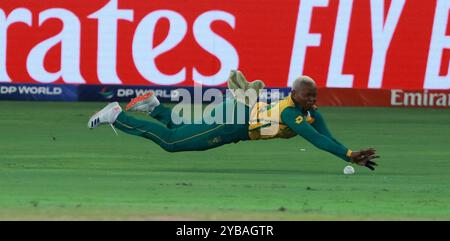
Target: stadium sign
<point>33,90</point>
<point>190,95</point>
<point>387,98</point>
<point>168,94</point>
<point>367,44</point>
<point>38,92</point>
<point>420,98</point>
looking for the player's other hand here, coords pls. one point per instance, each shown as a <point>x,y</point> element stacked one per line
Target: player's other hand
<point>365,158</point>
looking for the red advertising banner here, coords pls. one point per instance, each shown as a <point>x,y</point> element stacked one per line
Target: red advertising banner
<point>384,97</point>
<point>364,44</point>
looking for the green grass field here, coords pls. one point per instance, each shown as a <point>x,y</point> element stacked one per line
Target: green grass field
<point>53,167</point>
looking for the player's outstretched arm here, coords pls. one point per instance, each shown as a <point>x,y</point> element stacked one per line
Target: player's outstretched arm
<point>364,157</point>
<point>293,118</point>
<point>320,126</point>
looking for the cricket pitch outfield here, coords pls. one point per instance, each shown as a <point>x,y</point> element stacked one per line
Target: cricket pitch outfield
<point>53,168</point>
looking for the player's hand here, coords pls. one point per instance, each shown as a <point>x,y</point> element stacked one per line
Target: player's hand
<point>365,158</point>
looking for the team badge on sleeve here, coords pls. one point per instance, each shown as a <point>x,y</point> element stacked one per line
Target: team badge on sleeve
<point>299,119</point>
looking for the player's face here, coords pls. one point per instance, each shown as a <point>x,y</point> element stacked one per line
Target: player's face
<point>306,97</point>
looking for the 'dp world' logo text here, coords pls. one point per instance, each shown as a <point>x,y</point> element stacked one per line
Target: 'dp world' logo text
<point>31,90</point>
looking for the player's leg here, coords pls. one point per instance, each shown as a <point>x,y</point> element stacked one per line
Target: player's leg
<point>164,115</point>
<point>149,103</point>
<point>194,137</point>
<point>112,114</point>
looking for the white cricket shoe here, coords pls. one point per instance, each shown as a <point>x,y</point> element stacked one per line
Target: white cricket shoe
<point>144,103</point>
<point>107,115</point>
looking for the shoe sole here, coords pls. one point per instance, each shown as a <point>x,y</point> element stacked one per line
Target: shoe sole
<point>135,101</point>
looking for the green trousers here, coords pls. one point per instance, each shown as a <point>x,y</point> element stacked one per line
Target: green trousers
<point>187,137</point>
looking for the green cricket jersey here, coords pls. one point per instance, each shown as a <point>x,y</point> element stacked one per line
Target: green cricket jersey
<point>285,119</point>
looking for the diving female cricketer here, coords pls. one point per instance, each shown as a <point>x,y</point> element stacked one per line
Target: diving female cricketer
<point>295,115</point>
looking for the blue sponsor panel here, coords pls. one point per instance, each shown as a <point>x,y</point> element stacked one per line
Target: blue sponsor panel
<point>166,94</point>
<point>124,93</point>
<point>38,92</point>
<point>121,93</point>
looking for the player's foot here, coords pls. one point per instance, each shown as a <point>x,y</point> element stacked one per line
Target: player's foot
<point>239,87</point>
<point>144,103</point>
<point>257,85</point>
<point>237,80</point>
<point>107,115</point>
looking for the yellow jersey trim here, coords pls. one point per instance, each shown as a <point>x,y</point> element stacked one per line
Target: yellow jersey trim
<point>349,153</point>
